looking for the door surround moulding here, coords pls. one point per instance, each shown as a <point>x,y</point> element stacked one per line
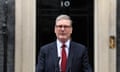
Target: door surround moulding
<point>104,19</point>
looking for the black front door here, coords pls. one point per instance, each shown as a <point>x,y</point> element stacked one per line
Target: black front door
<point>81,12</point>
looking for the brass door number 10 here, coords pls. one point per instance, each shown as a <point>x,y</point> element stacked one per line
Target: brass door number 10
<point>65,3</point>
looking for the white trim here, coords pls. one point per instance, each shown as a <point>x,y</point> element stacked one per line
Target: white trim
<point>101,36</point>
<point>112,32</point>
<point>105,25</point>
<point>25,36</point>
<point>18,36</point>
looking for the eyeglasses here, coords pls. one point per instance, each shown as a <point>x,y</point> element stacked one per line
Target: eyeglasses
<point>65,26</point>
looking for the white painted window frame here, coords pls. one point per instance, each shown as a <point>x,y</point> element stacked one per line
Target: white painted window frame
<point>104,26</point>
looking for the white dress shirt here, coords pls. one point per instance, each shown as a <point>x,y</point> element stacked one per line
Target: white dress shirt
<point>59,49</point>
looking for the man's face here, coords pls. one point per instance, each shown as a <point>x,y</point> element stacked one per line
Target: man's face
<point>63,30</point>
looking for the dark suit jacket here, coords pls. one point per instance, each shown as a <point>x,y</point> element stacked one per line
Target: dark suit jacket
<point>77,60</point>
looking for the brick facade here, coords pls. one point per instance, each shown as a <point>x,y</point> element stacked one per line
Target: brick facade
<point>9,12</point>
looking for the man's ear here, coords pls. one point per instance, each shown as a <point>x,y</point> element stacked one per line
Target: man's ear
<point>71,30</point>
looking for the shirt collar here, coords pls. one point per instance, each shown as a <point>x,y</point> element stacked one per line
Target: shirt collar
<point>67,43</point>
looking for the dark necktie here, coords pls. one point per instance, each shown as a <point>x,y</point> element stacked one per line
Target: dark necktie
<point>64,59</point>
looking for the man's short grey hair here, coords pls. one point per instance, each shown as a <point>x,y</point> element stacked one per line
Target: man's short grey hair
<point>63,16</point>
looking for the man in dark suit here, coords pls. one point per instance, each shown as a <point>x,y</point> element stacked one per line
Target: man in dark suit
<point>63,55</point>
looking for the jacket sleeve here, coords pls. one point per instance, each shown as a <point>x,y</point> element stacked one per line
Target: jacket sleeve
<point>41,61</point>
<point>85,62</point>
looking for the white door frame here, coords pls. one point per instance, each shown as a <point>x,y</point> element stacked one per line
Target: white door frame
<point>104,27</point>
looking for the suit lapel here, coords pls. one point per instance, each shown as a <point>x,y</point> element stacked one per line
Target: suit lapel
<point>54,54</point>
<point>70,57</point>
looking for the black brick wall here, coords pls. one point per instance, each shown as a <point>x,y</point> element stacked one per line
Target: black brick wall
<point>1,37</point>
<point>7,15</point>
<point>118,35</point>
